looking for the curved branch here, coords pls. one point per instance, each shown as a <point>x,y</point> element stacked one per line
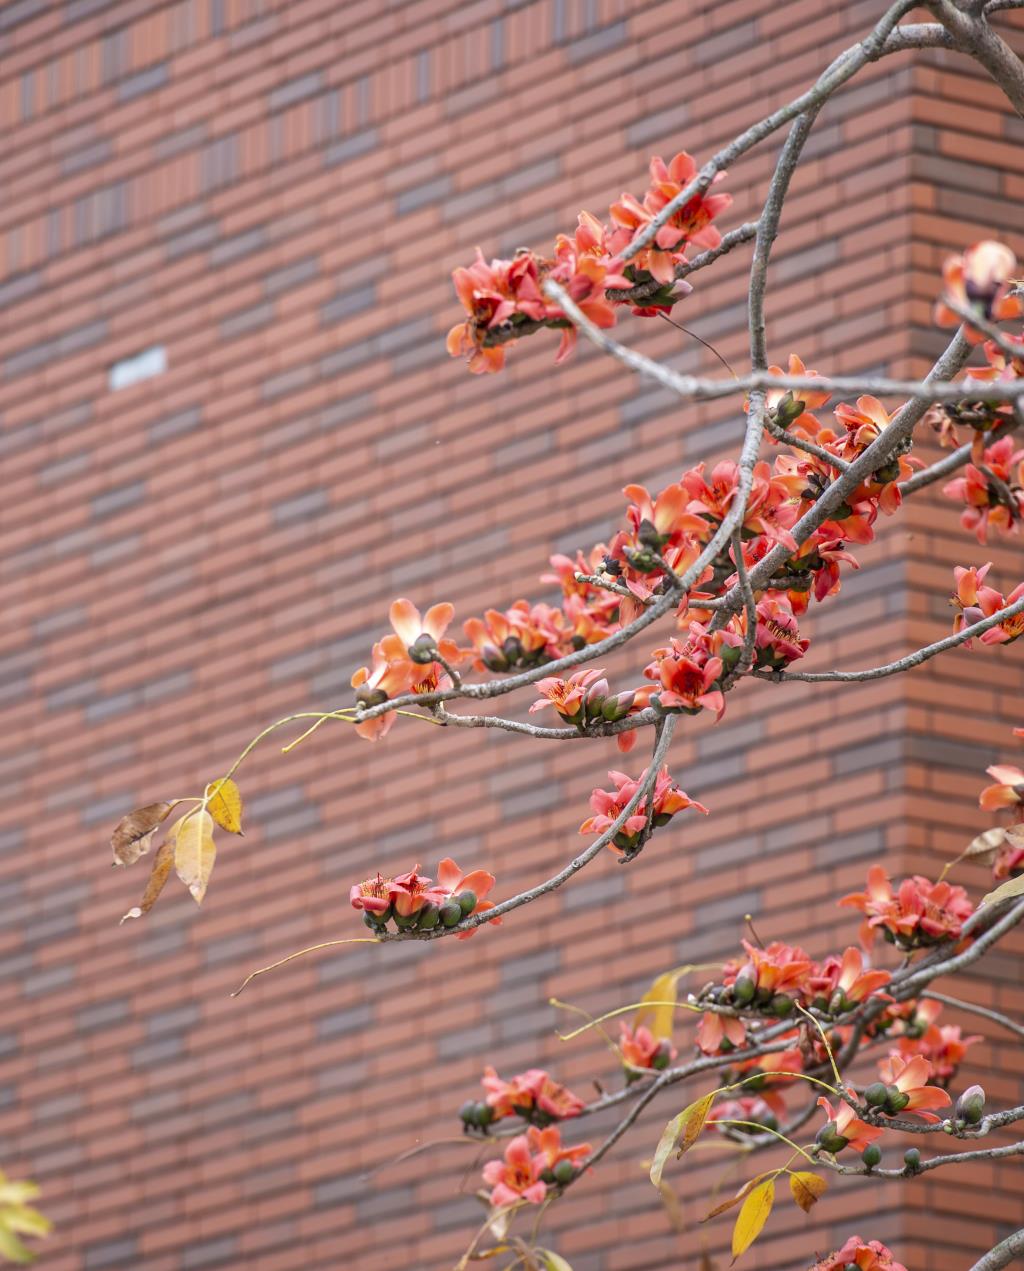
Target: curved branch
<point>1002,1254</point>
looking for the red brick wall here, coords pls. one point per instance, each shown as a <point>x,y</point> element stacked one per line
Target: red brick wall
<point>276,193</point>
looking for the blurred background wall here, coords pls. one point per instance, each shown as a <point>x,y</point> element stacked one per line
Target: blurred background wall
<point>230,435</point>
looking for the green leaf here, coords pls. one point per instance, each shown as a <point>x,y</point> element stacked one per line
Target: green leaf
<point>752,1217</point>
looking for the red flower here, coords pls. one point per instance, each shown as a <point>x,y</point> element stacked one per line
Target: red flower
<point>944,1047</point>
<point>453,883</point>
<point>607,805</point>
<point>873,1256</point>
<point>714,1029</point>
<point>919,913</point>
<point>909,1077</point>
<point>844,1122</point>
<point>517,1176</point>
<point>533,1094</point>
<point>778,968</point>
<point>547,1143</point>
<point>991,490</point>
<point>980,279</point>
<point>641,1049</point>
<point>374,895</point>
<point>687,676</point>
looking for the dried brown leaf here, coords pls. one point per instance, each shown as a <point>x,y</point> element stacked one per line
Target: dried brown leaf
<point>133,834</point>
<point>158,875</point>
<point>807,1188</point>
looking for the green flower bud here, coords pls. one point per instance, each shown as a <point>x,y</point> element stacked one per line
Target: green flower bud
<point>564,1172</point>
<point>429,917</point>
<point>871,1155</point>
<point>547,1176</point>
<point>468,1112</point>
<point>828,1139</point>
<point>876,1095</point>
<point>788,410</point>
<point>912,1160</point>
<point>896,1101</point>
<point>466,901</point>
<point>662,1057</point>
<point>484,1114</point>
<point>970,1107</point>
<point>782,1005</point>
<point>889,472</point>
<point>422,649</point>
<point>743,991</point>
<point>451,913</point>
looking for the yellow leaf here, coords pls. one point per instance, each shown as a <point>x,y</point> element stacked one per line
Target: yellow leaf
<point>225,804</point>
<point>683,1129</point>
<point>552,1261</point>
<point>752,1217</point>
<point>158,875</point>
<point>660,1014</point>
<point>806,1188</point>
<point>133,833</point>
<point>735,1200</point>
<point>1005,891</point>
<point>194,852</point>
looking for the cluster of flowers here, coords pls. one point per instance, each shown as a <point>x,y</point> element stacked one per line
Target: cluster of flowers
<point>665,801</point>
<point>860,1255</point>
<point>1007,792</point>
<point>412,901</point>
<point>533,1163</point>
<point>533,1095</point>
<point>642,1052</point>
<point>505,300</point>
<point>973,600</point>
<point>917,915</point>
<point>991,490</point>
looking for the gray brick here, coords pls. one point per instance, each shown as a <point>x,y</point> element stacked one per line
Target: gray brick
<point>809,261</point>
<point>531,966</point>
<point>118,499</point>
<point>56,977</point>
<point>177,142</point>
<point>795,833</point>
<point>941,751</point>
<point>237,245</point>
<point>192,240</point>
<point>532,175</point>
<point>730,737</point>
<point>288,381</point>
<point>344,411</point>
<point>377,1203</point>
<point>596,891</point>
<point>878,753</point>
<point>206,1253</point>
<point>61,1105</point>
<point>174,1020</point>
<point>346,303</point>
<point>610,446</point>
<point>351,147</point>
<point>736,39</point>
<point>102,708</point>
<point>101,1015</point>
<point>19,286</point>
<point>418,196</point>
<point>233,948</point>
<point>145,81</point>
<point>839,849</point>
<point>350,1020</point>
<point>301,507</point>
<point>152,1054</point>
<point>466,1041</point>
<point>31,358</point>
<point>337,1191</point>
<point>8,1044</point>
<point>64,469</point>
<point>73,694</point>
<point>219,162</point>
<point>289,827</point>
<point>116,550</point>
<point>175,425</point>
<point>85,157</point>
<point>726,910</point>
<point>295,90</point>
<point>244,320</point>
<point>662,125</point>
<point>18,11</point>
<point>109,808</point>
<point>603,41</point>
<point>112,1253</point>
<point>291,275</point>
<point>523,450</point>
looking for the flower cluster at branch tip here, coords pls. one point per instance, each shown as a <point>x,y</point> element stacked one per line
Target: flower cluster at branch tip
<point>414,902</point>
<point>858,1255</point>
<point>504,300</point>
<point>641,1050</point>
<point>533,1095</point>
<point>918,914</point>
<point>533,1163</point>
<point>665,800</point>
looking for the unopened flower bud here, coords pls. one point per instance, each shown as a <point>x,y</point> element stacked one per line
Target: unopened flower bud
<point>493,659</point>
<point>428,918</point>
<point>564,1172</point>
<point>547,1176</point>
<point>743,991</point>
<point>484,1114</point>
<point>987,267</point>
<point>649,535</point>
<point>782,1005</point>
<point>912,1160</point>
<point>422,649</point>
<point>512,649</point>
<point>876,1095</point>
<point>370,696</point>
<point>788,410</point>
<point>828,1139</point>
<point>871,1155</point>
<point>662,1057</point>
<point>970,1107</point>
<point>466,902</point>
<point>468,1112</point>
<point>451,913</point>
<point>896,1100</point>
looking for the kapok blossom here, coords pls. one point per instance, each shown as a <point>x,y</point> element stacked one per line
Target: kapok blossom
<point>666,800</point>
<point>374,895</point>
<point>1009,629</point>
<point>534,1095</point>
<point>853,981</point>
<point>687,677</point>
<point>943,1046</point>
<point>919,913</point>
<point>869,1256</point>
<point>639,1048</point>
<point>758,1112</point>
<point>972,598</point>
<point>980,279</point>
<point>843,1123</point>
<point>1007,792</point>
<point>517,1176</point>
<point>548,1146</point>
<point>423,636</point>
<point>777,969</point>
<point>991,491</point>
<point>910,1076</point>
<point>578,699</point>
<point>452,884</point>
<point>714,1030</point>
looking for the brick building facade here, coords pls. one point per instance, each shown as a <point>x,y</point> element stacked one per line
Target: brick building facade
<point>261,200</point>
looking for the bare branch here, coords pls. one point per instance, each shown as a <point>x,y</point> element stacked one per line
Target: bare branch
<point>973,35</point>
<point>985,1012</point>
<point>1005,1252</point>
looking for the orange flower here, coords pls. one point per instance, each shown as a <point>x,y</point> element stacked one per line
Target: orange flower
<point>980,279</point>
<point>873,1256</point>
<point>844,1124</point>
<point>547,1144</point>
<point>453,884</point>
<point>909,1077</point>
<point>919,913</point>
<point>517,1176</point>
<point>639,1048</point>
<point>424,636</point>
<point>714,1029</point>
